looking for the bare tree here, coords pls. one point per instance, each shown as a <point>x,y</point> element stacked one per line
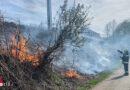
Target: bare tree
<point>110,27</point>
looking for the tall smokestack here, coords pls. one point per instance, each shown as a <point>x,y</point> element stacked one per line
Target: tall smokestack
<point>49,14</point>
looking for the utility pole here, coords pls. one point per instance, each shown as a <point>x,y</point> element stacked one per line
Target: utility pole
<point>49,14</point>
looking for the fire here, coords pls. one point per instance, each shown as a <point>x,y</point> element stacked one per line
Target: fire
<point>71,73</point>
<point>18,49</point>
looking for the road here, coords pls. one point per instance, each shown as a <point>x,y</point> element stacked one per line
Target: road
<point>116,81</point>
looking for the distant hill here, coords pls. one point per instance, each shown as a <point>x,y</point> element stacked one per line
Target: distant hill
<point>121,32</point>
<point>122,29</point>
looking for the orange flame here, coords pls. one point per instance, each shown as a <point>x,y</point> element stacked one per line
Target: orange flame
<point>71,73</point>
<point>19,50</point>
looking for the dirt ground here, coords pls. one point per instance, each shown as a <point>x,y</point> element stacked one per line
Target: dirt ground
<point>116,81</point>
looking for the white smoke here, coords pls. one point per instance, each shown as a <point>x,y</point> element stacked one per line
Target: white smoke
<point>96,56</point>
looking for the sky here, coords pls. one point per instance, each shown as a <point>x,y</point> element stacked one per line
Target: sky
<point>34,11</point>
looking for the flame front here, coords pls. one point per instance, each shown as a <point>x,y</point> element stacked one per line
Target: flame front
<point>71,73</point>
<point>18,50</point>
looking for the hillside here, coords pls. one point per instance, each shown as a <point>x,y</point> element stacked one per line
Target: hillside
<point>122,29</point>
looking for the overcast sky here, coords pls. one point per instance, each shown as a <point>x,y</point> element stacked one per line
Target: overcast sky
<point>34,11</point>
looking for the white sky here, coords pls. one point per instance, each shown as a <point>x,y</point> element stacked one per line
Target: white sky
<point>34,11</point>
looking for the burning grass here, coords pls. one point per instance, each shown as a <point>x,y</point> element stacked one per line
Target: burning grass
<point>27,70</point>
<point>18,58</point>
<point>72,73</point>
<point>20,50</point>
<point>16,45</point>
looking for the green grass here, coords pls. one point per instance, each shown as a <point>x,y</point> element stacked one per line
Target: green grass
<point>97,80</point>
<point>94,81</point>
<point>100,78</point>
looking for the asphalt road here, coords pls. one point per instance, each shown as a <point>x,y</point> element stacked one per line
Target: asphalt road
<point>116,81</point>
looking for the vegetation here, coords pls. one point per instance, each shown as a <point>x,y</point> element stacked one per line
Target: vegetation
<point>70,25</point>
<point>110,28</point>
<point>98,78</point>
<point>101,77</point>
<point>122,29</point>
<point>27,66</point>
<point>27,74</point>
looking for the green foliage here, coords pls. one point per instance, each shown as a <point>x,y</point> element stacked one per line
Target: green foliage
<point>71,23</point>
<point>65,89</point>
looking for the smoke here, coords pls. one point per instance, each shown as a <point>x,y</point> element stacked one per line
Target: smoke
<point>96,56</point>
